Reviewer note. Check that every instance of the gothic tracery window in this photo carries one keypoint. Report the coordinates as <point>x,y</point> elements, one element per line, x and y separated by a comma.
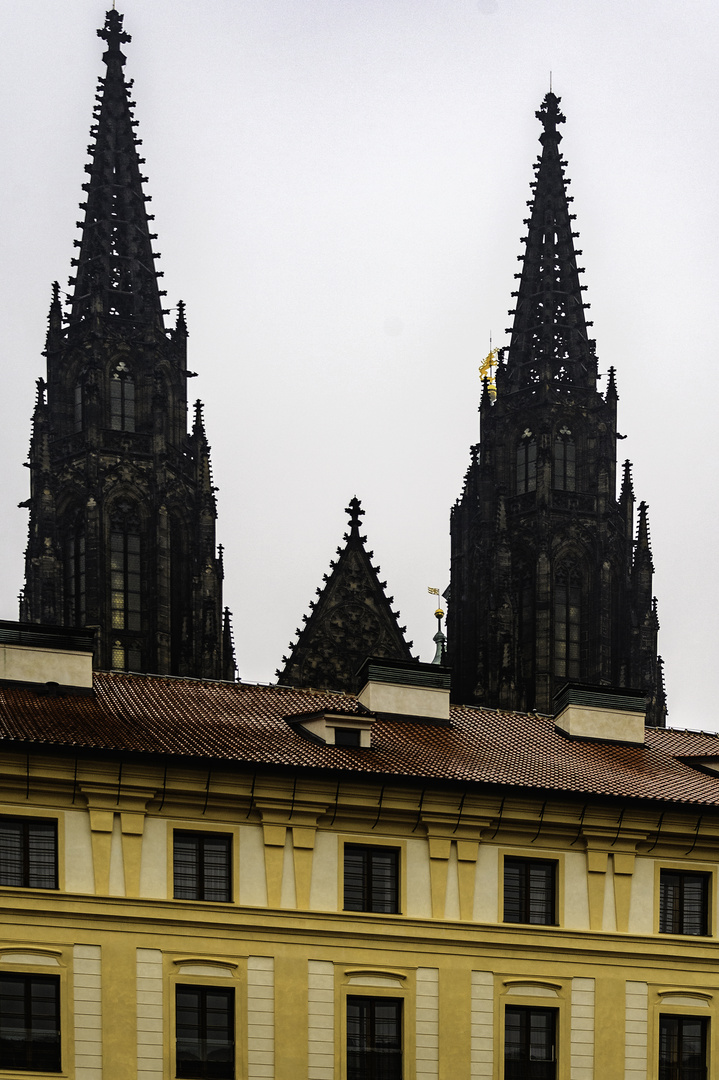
<point>526,463</point>
<point>122,398</point>
<point>567,623</point>
<point>75,572</point>
<point>565,461</point>
<point>125,586</point>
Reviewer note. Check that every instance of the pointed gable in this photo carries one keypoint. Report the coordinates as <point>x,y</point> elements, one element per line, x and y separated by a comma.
<point>351,620</point>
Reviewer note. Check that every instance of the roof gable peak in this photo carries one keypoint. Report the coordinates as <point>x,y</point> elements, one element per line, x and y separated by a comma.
<point>351,620</point>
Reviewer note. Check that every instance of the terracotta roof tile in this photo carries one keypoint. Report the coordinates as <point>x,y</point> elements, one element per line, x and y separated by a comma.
<point>241,723</point>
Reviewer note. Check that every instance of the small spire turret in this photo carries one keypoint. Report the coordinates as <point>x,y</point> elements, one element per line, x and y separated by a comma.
<point>439,639</point>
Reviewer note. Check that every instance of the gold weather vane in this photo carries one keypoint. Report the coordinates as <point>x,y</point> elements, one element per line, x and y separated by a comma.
<point>435,592</point>
<point>486,369</point>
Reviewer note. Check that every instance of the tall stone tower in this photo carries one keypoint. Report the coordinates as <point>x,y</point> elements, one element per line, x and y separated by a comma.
<point>548,583</point>
<point>122,504</point>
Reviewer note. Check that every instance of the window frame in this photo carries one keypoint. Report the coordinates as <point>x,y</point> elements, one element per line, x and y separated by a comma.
<point>375,845</point>
<point>672,1073</point>
<point>217,827</point>
<point>375,999</point>
<point>528,861</point>
<point>707,875</point>
<point>521,1007</point>
<point>203,988</point>
<point>61,1020</point>
<point>26,821</point>
<point>206,834</point>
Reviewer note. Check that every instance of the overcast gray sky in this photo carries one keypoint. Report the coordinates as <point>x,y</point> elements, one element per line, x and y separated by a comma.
<point>339,188</point>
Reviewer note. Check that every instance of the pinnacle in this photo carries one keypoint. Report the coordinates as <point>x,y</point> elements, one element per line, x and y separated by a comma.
<point>627,484</point>
<point>549,342</point>
<point>644,547</point>
<point>114,34</point>
<point>355,512</point>
<point>199,423</point>
<point>116,274</point>
<point>612,384</point>
<point>550,115</point>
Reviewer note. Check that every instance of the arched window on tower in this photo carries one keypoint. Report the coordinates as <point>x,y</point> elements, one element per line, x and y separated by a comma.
<point>565,461</point>
<point>74,564</point>
<point>567,623</point>
<point>126,587</point>
<point>526,463</point>
<point>122,398</point>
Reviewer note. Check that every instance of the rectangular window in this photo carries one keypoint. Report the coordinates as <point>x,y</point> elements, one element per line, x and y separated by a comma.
<point>374,1038</point>
<point>529,1043</point>
<point>30,1022</point>
<point>202,866</point>
<point>205,1033</point>
<point>682,1048</point>
<point>28,853</point>
<point>683,902</point>
<point>371,879</point>
<point>347,737</point>
<point>530,891</point>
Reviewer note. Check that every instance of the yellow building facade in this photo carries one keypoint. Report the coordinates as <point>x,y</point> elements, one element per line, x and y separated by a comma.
<point>371,924</point>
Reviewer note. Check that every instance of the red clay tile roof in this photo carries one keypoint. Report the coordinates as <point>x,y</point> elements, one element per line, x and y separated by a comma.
<point>246,724</point>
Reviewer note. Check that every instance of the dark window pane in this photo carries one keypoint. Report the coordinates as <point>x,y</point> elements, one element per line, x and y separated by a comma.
<point>347,737</point>
<point>530,891</point>
<point>205,1033</point>
<point>28,853</point>
<point>682,1048</point>
<point>374,1038</point>
<point>30,1022</point>
<point>202,866</point>
<point>683,903</point>
<point>529,1044</point>
<point>371,879</point>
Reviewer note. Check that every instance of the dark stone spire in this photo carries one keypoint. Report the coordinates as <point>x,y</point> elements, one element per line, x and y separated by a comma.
<point>547,583</point>
<point>116,266</point>
<point>549,342</point>
<point>352,620</point>
<point>122,506</point>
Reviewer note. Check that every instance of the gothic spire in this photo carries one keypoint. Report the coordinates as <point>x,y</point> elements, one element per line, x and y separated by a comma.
<point>549,342</point>
<point>352,620</point>
<point>116,274</point>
